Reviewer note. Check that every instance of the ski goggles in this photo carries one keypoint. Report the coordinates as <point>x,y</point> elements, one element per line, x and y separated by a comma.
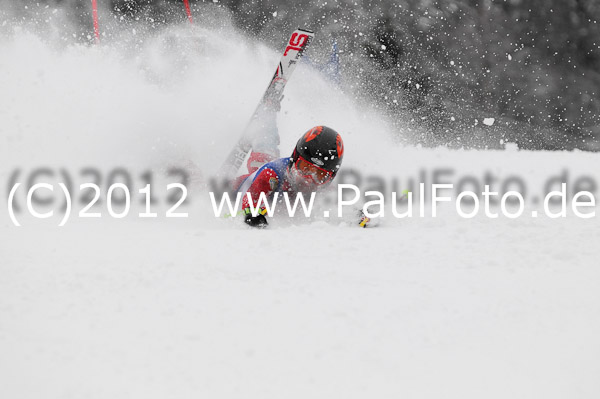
<point>312,172</point>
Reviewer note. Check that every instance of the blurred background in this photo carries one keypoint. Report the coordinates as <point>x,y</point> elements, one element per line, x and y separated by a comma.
<point>418,307</point>
<point>457,73</point>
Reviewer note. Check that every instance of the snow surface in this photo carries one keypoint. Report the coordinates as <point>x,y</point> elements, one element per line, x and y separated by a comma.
<point>205,307</point>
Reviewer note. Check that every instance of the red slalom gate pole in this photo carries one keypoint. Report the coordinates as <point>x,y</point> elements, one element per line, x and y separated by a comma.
<point>95,17</point>
<point>188,10</point>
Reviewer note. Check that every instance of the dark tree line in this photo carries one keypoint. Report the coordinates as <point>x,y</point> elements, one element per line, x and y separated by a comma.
<point>439,67</point>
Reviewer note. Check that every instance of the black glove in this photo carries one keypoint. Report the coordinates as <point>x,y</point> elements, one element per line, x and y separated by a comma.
<point>259,221</point>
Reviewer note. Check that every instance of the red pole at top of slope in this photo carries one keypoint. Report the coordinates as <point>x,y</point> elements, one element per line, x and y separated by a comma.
<point>188,10</point>
<point>95,17</point>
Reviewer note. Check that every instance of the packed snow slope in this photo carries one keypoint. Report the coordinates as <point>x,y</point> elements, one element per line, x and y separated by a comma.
<point>205,307</point>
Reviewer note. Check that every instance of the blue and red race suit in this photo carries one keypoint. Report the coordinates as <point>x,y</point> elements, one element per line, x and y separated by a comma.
<point>269,178</point>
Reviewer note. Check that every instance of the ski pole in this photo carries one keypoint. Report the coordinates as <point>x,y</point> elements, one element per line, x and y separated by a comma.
<point>95,18</point>
<point>188,10</point>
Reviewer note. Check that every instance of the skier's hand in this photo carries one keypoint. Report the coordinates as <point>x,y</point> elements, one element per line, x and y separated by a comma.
<point>259,221</point>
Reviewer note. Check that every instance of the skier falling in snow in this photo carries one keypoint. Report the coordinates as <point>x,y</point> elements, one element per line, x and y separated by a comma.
<point>314,162</point>
<point>313,165</point>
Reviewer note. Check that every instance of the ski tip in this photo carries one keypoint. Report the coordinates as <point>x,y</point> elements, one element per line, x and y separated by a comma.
<point>306,30</point>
